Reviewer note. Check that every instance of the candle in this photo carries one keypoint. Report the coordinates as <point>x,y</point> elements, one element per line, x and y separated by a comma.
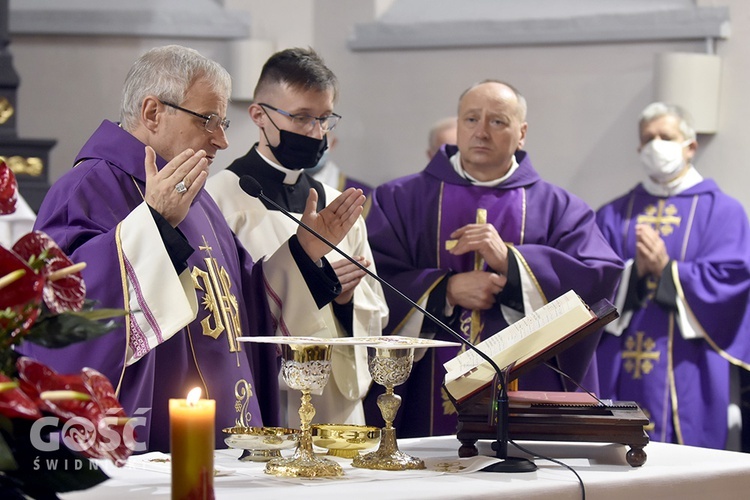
<point>191,436</point>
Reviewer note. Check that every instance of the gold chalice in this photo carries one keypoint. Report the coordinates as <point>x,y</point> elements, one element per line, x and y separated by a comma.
<point>389,368</point>
<point>305,367</point>
<point>345,440</point>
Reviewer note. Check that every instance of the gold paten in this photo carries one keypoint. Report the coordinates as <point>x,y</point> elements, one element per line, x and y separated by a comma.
<point>389,368</point>
<point>345,440</point>
<point>305,368</point>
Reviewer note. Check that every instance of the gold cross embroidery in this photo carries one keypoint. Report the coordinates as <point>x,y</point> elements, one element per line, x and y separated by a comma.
<point>639,356</point>
<point>217,300</point>
<point>663,217</point>
<point>476,325</point>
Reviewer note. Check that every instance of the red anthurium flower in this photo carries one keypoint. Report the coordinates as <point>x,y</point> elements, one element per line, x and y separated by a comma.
<point>14,403</point>
<point>95,421</point>
<point>8,190</point>
<point>63,294</point>
<point>20,300</point>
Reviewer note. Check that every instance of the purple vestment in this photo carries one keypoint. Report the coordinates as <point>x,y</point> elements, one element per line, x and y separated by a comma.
<point>682,384</point>
<point>82,213</point>
<point>553,233</point>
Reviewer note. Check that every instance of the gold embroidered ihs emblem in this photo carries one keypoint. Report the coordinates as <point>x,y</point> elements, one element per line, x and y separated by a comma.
<point>217,300</point>
<point>663,217</point>
<point>639,356</point>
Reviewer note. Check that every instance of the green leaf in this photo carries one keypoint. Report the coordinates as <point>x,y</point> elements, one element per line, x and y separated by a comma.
<point>7,462</point>
<point>68,328</point>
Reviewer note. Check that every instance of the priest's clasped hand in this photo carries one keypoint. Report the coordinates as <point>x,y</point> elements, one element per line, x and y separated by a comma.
<point>171,190</point>
<point>651,255</point>
<point>333,222</point>
<point>485,240</point>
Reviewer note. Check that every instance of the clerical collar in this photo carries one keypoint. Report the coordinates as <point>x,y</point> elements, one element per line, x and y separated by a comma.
<point>290,176</point>
<point>456,162</point>
<point>676,186</point>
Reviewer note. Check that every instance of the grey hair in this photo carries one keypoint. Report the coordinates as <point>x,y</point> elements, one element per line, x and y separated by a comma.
<point>167,73</point>
<point>658,109</point>
<point>522,106</point>
<point>439,126</point>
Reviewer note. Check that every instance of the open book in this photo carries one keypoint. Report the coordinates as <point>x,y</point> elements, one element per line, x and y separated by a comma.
<point>527,339</point>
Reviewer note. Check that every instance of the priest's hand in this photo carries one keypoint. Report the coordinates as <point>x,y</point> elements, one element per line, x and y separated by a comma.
<point>474,290</point>
<point>651,255</point>
<point>349,276</point>
<point>171,190</point>
<point>483,239</point>
<point>333,222</point>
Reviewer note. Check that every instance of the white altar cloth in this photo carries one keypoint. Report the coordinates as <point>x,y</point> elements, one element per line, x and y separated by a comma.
<point>670,472</point>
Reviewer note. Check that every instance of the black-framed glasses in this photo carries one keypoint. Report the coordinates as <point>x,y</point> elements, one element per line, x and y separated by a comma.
<point>212,121</point>
<point>307,122</point>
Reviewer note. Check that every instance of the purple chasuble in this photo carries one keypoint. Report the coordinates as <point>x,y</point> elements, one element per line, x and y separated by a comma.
<point>555,233</point>
<point>81,213</point>
<point>684,389</point>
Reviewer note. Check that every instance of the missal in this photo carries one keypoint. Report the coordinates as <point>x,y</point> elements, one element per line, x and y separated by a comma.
<point>518,344</point>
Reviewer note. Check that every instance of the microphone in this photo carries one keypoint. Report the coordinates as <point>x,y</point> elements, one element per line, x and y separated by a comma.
<point>508,464</point>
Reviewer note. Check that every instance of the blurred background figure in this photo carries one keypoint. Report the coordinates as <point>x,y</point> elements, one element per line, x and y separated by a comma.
<point>684,292</point>
<point>327,172</point>
<point>442,132</point>
<point>15,225</point>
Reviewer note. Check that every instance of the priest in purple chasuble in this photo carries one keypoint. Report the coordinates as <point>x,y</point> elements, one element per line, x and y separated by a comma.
<point>684,292</point>
<point>156,245</point>
<point>436,236</point>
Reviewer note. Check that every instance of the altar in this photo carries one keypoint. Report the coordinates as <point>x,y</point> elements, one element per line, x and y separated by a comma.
<point>671,472</point>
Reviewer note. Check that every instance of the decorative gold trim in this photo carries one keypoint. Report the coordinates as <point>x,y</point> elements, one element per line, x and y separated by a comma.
<point>703,332</point>
<point>691,217</point>
<point>6,110</point>
<point>195,360</point>
<point>672,383</point>
<point>439,222</point>
<point>526,266</point>
<point>32,165</point>
<point>523,219</point>
<point>126,302</point>
<point>413,310</point>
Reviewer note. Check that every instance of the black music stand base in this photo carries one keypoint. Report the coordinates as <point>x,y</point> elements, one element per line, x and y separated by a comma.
<point>511,464</point>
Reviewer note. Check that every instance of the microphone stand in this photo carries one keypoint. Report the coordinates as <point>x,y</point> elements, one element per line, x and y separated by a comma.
<point>507,464</point>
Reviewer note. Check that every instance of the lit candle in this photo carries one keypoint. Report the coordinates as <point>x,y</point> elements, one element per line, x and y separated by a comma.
<point>191,423</point>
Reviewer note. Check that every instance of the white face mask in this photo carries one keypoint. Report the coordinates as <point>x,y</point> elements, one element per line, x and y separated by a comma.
<point>662,160</point>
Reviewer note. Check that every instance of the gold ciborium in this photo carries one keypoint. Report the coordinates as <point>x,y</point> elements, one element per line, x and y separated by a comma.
<point>305,368</point>
<point>389,368</point>
<point>345,440</point>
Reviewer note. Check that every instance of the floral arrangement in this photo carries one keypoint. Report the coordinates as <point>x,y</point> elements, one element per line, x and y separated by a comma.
<point>51,425</point>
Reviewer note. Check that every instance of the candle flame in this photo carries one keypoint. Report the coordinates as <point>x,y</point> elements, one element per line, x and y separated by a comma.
<point>193,396</point>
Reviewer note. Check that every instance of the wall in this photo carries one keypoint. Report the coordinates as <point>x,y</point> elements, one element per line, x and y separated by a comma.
<point>583,99</point>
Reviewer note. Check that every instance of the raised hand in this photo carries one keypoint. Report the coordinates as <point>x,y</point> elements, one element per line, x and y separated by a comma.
<point>171,190</point>
<point>333,222</point>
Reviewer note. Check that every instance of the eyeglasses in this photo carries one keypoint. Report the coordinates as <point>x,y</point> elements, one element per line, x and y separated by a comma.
<point>307,122</point>
<point>212,121</point>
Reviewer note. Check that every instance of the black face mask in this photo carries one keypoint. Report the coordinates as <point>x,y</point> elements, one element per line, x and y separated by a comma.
<point>297,151</point>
